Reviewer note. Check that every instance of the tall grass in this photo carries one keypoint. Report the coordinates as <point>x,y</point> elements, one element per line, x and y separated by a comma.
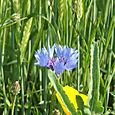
<point>28,25</point>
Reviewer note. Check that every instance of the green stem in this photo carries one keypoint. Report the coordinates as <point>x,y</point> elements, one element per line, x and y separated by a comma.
<point>78,59</point>
<point>45,91</point>
<point>109,76</point>
<point>78,64</point>
<point>22,89</point>
<point>13,106</point>
<point>2,72</point>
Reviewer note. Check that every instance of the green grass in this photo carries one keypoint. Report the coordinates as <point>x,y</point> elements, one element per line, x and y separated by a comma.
<point>28,25</point>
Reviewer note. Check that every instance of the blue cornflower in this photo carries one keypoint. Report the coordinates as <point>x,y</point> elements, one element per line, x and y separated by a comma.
<point>68,56</point>
<point>58,67</point>
<point>45,58</point>
<point>57,58</point>
<point>42,57</point>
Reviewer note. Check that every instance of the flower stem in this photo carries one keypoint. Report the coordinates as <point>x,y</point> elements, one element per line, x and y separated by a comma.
<point>13,106</point>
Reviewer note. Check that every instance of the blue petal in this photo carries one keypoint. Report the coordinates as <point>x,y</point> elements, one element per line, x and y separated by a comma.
<point>71,60</point>
<point>51,51</point>
<point>44,51</point>
<point>71,64</point>
<point>73,56</point>
<point>66,52</point>
<point>41,57</point>
<point>58,67</point>
<point>59,51</point>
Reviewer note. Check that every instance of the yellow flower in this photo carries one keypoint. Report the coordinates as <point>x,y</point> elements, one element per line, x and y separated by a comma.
<point>71,93</point>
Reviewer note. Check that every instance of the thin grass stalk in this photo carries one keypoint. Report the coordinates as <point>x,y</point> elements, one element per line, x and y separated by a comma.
<point>24,42</point>
<point>12,23</point>
<point>78,58</point>
<point>40,80</point>
<point>87,16</point>
<point>44,78</point>
<point>40,31</point>
<point>104,24</point>
<point>2,71</point>
<point>45,90</point>
<point>70,23</point>
<point>16,106</point>
<point>29,54</point>
<point>106,12</point>
<point>40,12</point>
<point>109,34</point>
<point>67,21</point>
<point>44,75</point>
<point>55,10</point>
<point>15,36</point>
<point>78,63</point>
<point>22,89</point>
<point>12,35</point>
<point>1,8</point>
<point>50,41</point>
<point>105,20</point>
<point>13,106</point>
<point>109,76</point>
<point>28,112</point>
<point>53,99</point>
<point>95,11</point>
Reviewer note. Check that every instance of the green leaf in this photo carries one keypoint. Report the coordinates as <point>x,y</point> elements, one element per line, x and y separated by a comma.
<point>98,107</point>
<point>8,102</point>
<point>95,71</point>
<point>95,104</point>
<point>80,102</point>
<point>79,112</point>
<point>59,89</point>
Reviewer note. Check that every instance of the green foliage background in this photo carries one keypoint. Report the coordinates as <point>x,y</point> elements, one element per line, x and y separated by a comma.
<point>27,25</point>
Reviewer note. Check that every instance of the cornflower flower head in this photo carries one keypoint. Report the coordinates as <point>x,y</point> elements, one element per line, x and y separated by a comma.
<point>68,56</point>
<point>42,57</point>
<point>57,59</point>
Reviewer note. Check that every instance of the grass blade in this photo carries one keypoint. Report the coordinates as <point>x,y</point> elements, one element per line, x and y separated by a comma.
<point>96,105</point>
